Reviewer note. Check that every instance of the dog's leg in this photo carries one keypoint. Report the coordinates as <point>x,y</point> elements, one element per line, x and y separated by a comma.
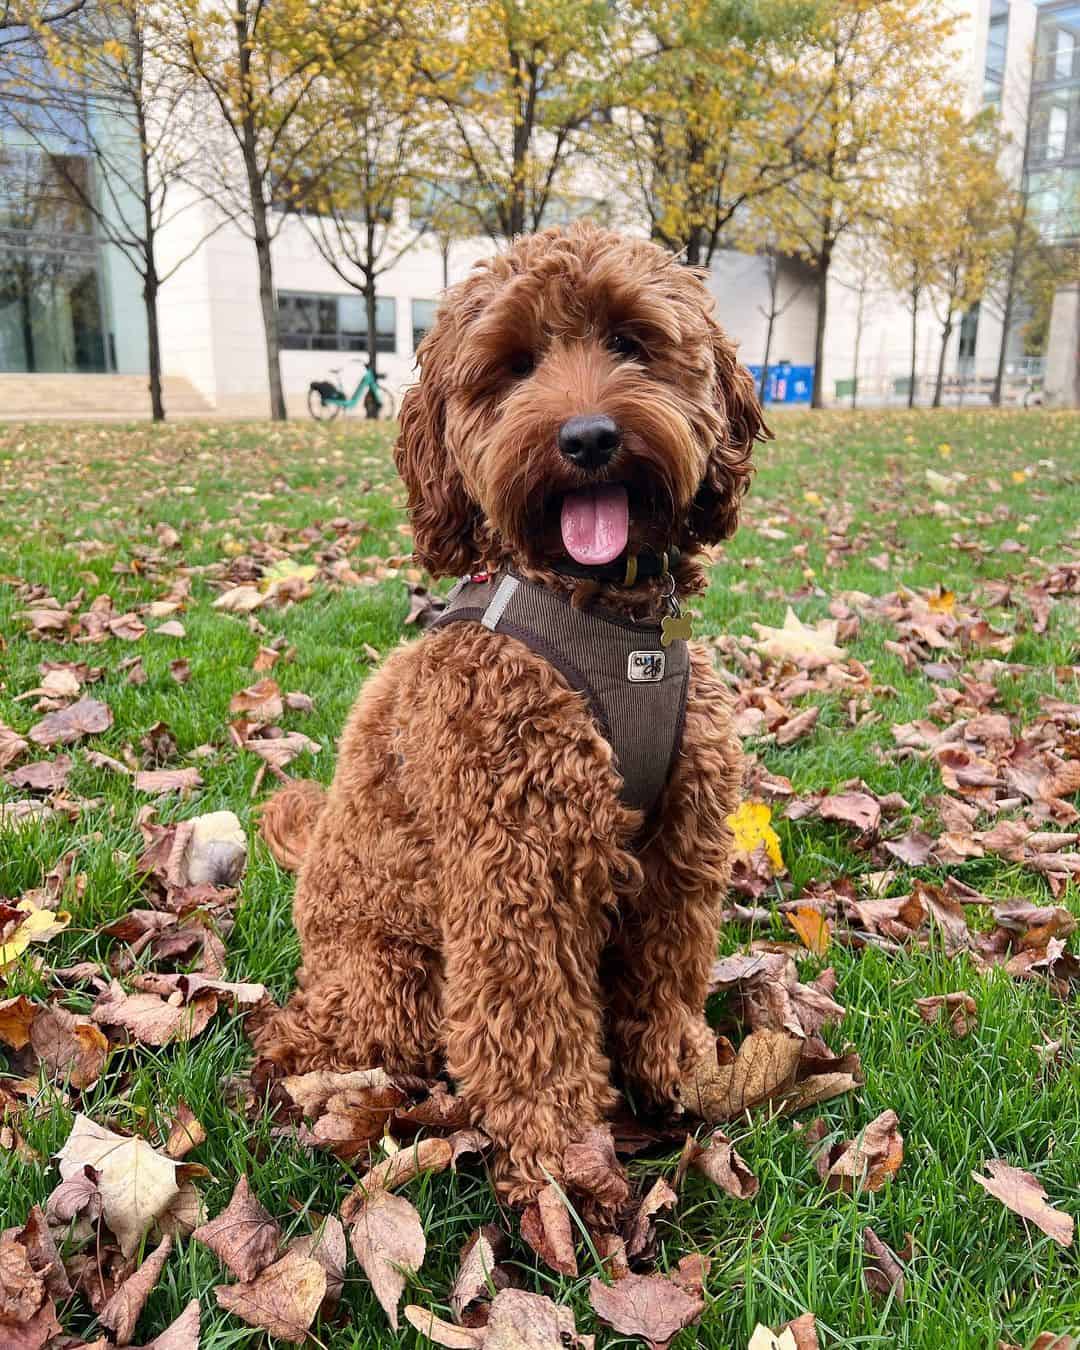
<point>528,908</point>
<point>657,966</point>
<point>370,1002</point>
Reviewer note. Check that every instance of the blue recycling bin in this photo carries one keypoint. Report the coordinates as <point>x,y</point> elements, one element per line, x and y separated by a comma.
<point>786,383</point>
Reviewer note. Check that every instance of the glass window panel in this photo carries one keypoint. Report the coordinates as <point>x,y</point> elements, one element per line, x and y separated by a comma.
<point>1057,44</point>
<point>423,317</point>
<point>352,314</point>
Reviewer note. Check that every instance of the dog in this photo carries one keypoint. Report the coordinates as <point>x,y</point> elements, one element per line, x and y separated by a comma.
<point>480,891</point>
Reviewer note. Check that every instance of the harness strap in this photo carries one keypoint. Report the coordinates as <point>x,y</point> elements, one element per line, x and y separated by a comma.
<point>636,689</point>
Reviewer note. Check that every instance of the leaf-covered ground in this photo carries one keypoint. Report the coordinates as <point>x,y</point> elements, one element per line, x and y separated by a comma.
<point>935,563</point>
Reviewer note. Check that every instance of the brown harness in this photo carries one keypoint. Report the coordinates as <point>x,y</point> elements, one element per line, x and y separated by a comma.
<point>635,686</point>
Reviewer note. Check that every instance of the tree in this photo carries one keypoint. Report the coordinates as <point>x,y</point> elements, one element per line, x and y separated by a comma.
<point>867,87</point>
<point>705,124</point>
<point>774,311</point>
<point>20,19</point>
<point>382,131</point>
<point>103,72</point>
<point>519,86</point>
<point>265,68</point>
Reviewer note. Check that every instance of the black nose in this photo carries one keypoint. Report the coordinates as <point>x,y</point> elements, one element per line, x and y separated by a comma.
<point>590,441</point>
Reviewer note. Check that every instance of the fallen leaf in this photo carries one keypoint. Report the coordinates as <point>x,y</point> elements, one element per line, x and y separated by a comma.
<point>961,1008</point>
<point>283,1299</point>
<point>653,1307</point>
<point>715,1158</point>
<point>866,1162</point>
<point>45,775</point>
<point>240,600</point>
<point>764,1065</point>
<point>260,702</point>
<point>426,1155</point>
<point>12,746</point>
<point>167,780</point>
<point>243,1235</point>
<point>151,1019</point>
<point>31,922</point>
<point>388,1239</point>
<point>857,809</point>
<point>183,1334</point>
<point>327,1246</point>
<point>751,827</point>
<point>809,648</point>
<point>548,1229</point>
<point>477,1268</point>
<point>812,928</point>
<point>16,1017</point>
<point>517,1321</point>
<point>87,717</point>
<point>70,1047</point>
<point>136,1184</point>
<point>1021,1192</point>
<point>591,1168</point>
<point>122,1311</point>
<point>882,1270</point>
<point>185,1133</point>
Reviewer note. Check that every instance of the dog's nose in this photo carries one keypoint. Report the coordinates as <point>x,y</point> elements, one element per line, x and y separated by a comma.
<point>589,441</point>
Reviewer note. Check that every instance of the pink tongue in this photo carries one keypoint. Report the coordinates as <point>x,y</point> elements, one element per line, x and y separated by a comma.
<point>595,523</point>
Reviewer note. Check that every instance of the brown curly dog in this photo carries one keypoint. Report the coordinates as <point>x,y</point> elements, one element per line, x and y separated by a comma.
<point>477,894</point>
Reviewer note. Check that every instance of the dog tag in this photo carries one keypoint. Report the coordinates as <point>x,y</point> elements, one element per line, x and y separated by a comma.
<point>673,626</point>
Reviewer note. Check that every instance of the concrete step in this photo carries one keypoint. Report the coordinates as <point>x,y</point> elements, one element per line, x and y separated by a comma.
<point>44,396</point>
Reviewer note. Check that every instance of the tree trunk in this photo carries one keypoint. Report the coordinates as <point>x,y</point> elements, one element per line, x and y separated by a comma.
<point>859,310</point>
<point>444,249</point>
<point>1006,328</point>
<point>692,251</point>
<point>946,333</point>
<point>153,343</point>
<point>371,407</point>
<point>824,258</point>
<point>914,344</point>
<point>770,324</point>
<point>26,318</point>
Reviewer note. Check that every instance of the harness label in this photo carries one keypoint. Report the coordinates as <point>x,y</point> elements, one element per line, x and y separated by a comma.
<point>646,667</point>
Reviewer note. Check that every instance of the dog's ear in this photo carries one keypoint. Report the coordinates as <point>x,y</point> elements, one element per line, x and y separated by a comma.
<point>715,510</point>
<point>443,515</point>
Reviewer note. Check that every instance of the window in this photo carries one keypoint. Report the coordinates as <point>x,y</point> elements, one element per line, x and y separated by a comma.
<point>1055,124</point>
<point>996,42</point>
<point>1054,203</point>
<point>334,323</point>
<point>423,317</point>
<point>1057,45</point>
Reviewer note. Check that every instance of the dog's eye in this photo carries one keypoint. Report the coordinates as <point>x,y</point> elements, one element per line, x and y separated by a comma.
<point>625,346</point>
<point>521,364</point>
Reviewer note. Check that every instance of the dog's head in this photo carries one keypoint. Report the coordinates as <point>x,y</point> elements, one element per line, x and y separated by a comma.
<point>576,398</point>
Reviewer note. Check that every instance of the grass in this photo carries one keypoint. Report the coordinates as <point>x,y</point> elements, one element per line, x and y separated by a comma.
<point>80,509</point>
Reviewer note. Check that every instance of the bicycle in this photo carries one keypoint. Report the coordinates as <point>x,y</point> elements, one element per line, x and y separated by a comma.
<point>327,399</point>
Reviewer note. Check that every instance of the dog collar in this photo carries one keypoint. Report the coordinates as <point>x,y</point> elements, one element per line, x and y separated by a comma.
<point>625,570</point>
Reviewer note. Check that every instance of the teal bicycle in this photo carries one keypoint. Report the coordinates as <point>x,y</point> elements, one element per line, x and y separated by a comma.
<point>327,399</point>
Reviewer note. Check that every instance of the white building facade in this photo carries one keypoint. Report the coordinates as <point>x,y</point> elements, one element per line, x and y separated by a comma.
<point>211,326</point>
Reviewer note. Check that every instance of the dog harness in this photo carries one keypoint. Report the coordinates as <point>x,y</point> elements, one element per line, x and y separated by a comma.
<point>635,686</point>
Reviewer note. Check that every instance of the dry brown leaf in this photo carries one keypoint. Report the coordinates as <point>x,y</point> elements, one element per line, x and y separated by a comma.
<point>243,1235</point>
<point>857,809</point>
<point>808,648</point>
<point>327,1246</point>
<point>426,1155</point>
<point>12,746</point>
<point>548,1229</point>
<point>283,1299</point>
<point>764,1065</point>
<point>882,1270</point>
<point>45,775</point>
<point>715,1158</point>
<point>122,1311</point>
<point>167,780</point>
<point>151,1019</point>
<point>866,1162</point>
<point>16,1018</point>
<point>1021,1192</point>
<point>477,1269</point>
<point>185,1133</point>
<point>517,1321</point>
<point>260,702</point>
<point>87,717</point>
<point>183,1334</point>
<point>71,1047</point>
<point>961,1009</point>
<point>388,1239</point>
<point>653,1307</point>
<point>641,1230</point>
<point>591,1168</point>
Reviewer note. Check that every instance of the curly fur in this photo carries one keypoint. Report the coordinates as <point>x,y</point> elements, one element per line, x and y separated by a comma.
<point>475,896</point>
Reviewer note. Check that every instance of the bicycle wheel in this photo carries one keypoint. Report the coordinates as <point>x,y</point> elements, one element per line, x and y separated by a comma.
<point>320,408</point>
<point>387,405</point>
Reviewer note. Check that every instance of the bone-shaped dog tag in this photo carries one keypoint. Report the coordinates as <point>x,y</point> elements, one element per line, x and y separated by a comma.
<point>674,626</point>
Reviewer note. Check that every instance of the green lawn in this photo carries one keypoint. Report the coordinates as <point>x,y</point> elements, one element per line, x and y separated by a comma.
<point>81,509</point>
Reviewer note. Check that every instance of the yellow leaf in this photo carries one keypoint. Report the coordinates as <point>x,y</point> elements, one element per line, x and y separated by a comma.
<point>39,925</point>
<point>814,498</point>
<point>944,449</point>
<point>752,826</point>
<point>812,928</point>
<point>285,570</point>
<point>942,602</point>
<point>1019,475</point>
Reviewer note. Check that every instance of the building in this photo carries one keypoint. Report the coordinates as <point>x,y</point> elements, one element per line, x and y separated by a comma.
<point>70,303</point>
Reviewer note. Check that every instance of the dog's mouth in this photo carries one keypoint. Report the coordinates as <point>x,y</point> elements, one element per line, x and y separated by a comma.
<point>595,523</point>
